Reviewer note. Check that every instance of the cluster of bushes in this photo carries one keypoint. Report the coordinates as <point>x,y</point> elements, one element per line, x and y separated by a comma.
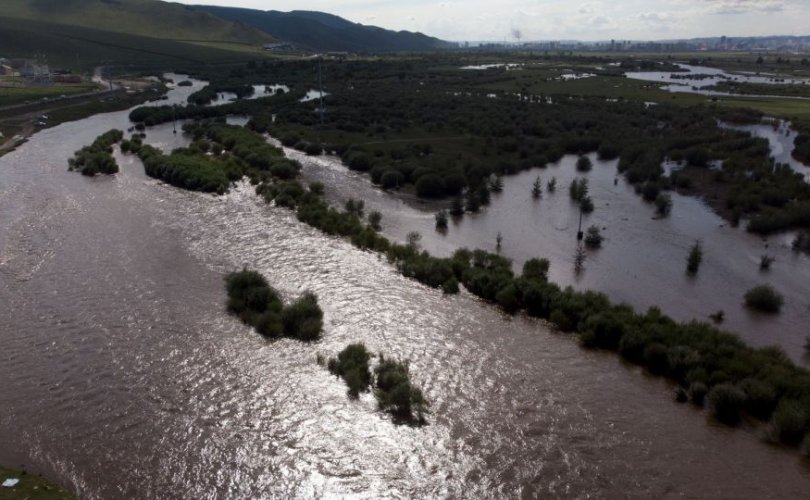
<point>219,155</point>
<point>801,243</point>
<point>97,158</point>
<point>311,148</point>
<point>209,93</point>
<point>505,136</point>
<point>185,168</point>
<point>696,355</point>
<point>391,381</point>
<point>374,103</point>
<point>256,303</point>
<point>801,143</point>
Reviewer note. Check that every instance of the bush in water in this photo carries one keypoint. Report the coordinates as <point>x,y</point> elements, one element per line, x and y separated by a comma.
<point>97,158</point>
<point>727,401</point>
<point>352,365</point>
<point>256,303</point>
<point>764,298</point>
<point>395,392</point>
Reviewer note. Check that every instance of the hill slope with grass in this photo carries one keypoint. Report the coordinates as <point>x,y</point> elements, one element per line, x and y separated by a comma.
<point>82,48</point>
<point>147,18</point>
<point>326,32</point>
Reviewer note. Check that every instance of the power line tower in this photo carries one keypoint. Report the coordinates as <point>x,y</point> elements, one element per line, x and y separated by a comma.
<point>320,88</point>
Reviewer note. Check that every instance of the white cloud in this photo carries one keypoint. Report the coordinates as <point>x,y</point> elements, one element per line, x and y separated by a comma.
<point>744,6</point>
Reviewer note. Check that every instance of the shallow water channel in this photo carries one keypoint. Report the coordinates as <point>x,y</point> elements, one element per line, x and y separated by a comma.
<point>642,261</point>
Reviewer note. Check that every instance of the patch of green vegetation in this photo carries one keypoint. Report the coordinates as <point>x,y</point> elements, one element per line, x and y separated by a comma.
<point>97,158</point>
<point>395,392</point>
<point>352,364</point>
<point>17,95</point>
<point>593,237</point>
<point>450,136</point>
<point>30,486</point>
<point>256,303</point>
<point>764,298</point>
<point>391,381</point>
<point>786,90</point>
<point>788,109</point>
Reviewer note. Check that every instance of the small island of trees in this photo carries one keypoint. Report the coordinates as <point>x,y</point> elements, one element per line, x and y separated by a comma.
<point>393,389</point>
<point>256,303</point>
<point>97,158</point>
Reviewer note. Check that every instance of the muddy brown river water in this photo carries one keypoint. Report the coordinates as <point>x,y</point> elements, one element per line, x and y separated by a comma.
<point>121,376</point>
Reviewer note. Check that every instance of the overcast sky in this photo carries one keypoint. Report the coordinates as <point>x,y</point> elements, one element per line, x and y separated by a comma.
<point>561,19</point>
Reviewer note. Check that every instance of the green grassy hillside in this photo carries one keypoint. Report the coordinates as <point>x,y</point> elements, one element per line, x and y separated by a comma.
<point>322,31</point>
<point>148,18</point>
<point>82,48</point>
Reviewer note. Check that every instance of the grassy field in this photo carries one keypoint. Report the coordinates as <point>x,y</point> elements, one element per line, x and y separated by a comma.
<point>780,108</point>
<point>31,486</point>
<point>544,80</point>
<point>17,95</point>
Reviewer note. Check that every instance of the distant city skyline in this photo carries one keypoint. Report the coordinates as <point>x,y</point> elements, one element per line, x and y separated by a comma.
<point>527,20</point>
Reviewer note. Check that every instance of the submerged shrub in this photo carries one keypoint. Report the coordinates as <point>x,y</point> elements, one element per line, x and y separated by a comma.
<point>374,220</point>
<point>663,204</point>
<point>256,303</point>
<point>450,286</point>
<point>97,158</point>
<point>396,394</point>
<point>694,259</point>
<point>764,298</point>
<point>697,392</point>
<point>790,422</point>
<point>656,358</point>
<point>760,398</point>
<point>352,365</point>
<point>727,401</point>
<point>593,238</point>
<point>303,319</point>
<point>584,164</point>
<point>441,219</point>
<point>250,296</point>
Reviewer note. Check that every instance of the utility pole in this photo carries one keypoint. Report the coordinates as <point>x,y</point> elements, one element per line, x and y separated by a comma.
<point>320,87</point>
<point>579,231</point>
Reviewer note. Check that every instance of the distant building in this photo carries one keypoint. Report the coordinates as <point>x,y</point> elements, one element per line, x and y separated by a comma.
<point>34,72</point>
<point>67,78</point>
<point>337,55</point>
<point>278,47</point>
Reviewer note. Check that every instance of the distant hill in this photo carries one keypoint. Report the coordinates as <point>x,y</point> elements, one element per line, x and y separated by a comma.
<point>77,47</point>
<point>326,32</point>
<point>147,18</point>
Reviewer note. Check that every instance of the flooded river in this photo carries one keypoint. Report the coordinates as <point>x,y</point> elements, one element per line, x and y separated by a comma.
<point>123,377</point>
<point>695,80</point>
<point>642,261</point>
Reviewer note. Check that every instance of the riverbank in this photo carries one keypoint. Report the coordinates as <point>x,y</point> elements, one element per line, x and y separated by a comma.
<point>20,121</point>
<point>29,486</point>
